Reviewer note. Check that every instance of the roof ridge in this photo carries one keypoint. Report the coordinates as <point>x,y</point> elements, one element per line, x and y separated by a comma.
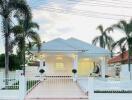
<point>68,44</point>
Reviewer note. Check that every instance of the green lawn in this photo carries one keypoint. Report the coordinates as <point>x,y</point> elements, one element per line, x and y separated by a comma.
<point>30,84</point>
<point>15,86</point>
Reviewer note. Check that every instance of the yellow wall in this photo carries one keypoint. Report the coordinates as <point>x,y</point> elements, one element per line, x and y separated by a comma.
<point>63,65</point>
<point>85,67</point>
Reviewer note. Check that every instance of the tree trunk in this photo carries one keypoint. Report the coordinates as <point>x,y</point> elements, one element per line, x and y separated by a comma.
<point>129,56</point>
<point>129,64</point>
<point>6,30</point>
<point>6,56</point>
<point>23,54</point>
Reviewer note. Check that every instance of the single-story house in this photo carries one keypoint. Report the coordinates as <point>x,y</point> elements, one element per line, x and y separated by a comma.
<point>61,56</point>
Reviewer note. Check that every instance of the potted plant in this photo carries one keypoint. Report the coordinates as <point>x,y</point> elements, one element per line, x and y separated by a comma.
<point>74,71</point>
<point>41,71</point>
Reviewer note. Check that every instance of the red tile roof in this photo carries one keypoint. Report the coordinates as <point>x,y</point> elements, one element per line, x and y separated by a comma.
<point>120,58</point>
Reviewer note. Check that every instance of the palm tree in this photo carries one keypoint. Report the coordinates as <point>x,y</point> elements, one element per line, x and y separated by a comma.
<point>126,41</point>
<point>25,37</point>
<point>104,40</point>
<point>7,8</point>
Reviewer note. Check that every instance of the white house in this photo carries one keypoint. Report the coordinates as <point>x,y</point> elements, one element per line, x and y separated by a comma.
<point>61,56</point>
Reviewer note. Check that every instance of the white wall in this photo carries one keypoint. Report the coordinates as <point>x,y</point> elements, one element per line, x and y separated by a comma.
<point>125,74</point>
<point>112,96</point>
<point>32,71</point>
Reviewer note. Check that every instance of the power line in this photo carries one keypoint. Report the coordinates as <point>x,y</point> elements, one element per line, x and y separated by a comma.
<point>92,3</point>
<point>122,1</point>
<point>103,1</point>
<point>87,13</point>
<point>99,4</point>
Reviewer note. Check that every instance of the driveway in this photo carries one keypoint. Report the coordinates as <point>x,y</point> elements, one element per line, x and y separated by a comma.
<point>57,89</point>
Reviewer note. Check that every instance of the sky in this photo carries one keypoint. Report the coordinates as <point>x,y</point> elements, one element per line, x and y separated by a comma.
<point>77,18</point>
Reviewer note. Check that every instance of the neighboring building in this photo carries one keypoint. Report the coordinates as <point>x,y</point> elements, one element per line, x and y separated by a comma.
<point>121,58</point>
<point>121,62</point>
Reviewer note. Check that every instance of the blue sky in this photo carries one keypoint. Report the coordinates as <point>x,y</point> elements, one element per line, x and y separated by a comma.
<point>72,18</point>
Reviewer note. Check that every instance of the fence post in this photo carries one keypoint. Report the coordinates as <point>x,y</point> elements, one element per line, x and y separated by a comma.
<point>1,79</point>
<point>90,88</point>
<point>22,87</point>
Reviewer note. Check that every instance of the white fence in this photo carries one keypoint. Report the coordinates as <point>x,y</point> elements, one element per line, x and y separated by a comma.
<point>17,88</point>
<point>98,89</point>
<point>32,82</point>
<point>12,88</point>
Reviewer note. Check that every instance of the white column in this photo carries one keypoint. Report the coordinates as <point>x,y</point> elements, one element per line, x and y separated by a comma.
<point>130,71</point>
<point>103,65</point>
<point>90,88</point>
<point>75,66</point>
<point>2,84</point>
<point>41,63</point>
<point>22,87</point>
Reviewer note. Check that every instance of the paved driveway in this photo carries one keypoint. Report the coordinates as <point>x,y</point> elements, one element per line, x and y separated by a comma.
<point>56,89</point>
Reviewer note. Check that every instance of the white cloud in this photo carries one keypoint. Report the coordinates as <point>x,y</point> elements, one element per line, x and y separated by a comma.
<point>75,25</point>
<point>78,25</point>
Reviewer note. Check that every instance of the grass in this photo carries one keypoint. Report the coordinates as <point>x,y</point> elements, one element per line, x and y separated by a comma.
<point>31,83</point>
<point>15,86</point>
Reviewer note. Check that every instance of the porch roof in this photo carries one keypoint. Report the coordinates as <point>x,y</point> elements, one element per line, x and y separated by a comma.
<point>71,45</point>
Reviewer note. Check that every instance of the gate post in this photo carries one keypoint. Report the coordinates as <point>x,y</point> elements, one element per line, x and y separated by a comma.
<point>90,88</point>
<point>2,84</point>
<point>22,87</point>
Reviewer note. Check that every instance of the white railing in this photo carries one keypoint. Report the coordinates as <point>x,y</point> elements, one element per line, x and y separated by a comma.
<point>9,84</point>
<point>58,80</point>
<point>9,88</point>
<point>18,87</point>
<point>32,82</point>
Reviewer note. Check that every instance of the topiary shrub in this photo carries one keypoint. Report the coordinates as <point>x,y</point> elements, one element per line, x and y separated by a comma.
<point>41,71</point>
<point>74,71</point>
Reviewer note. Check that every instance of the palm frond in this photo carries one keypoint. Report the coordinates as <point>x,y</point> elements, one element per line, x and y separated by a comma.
<point>35,37</point>
<point>100,28</point>
<point>95,40</point>
<point>22,6</point>
<point>119,42</point>
<point>17,30</point>
<point>109,29</point>
<point>33,25</point>
<point>123,23</point>
<point>1,3</point>
<point>109,42</point>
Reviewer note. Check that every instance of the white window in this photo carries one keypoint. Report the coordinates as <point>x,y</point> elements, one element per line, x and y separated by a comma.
<point>59,66</point>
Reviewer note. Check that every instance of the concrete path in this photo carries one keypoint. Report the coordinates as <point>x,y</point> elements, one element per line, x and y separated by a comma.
<point>57,89</point>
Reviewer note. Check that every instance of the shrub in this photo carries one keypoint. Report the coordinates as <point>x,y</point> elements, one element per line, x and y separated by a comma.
<point>33,63</point>
<point>14,62</point>
<point>41,71</point>
<point>74,71</point>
